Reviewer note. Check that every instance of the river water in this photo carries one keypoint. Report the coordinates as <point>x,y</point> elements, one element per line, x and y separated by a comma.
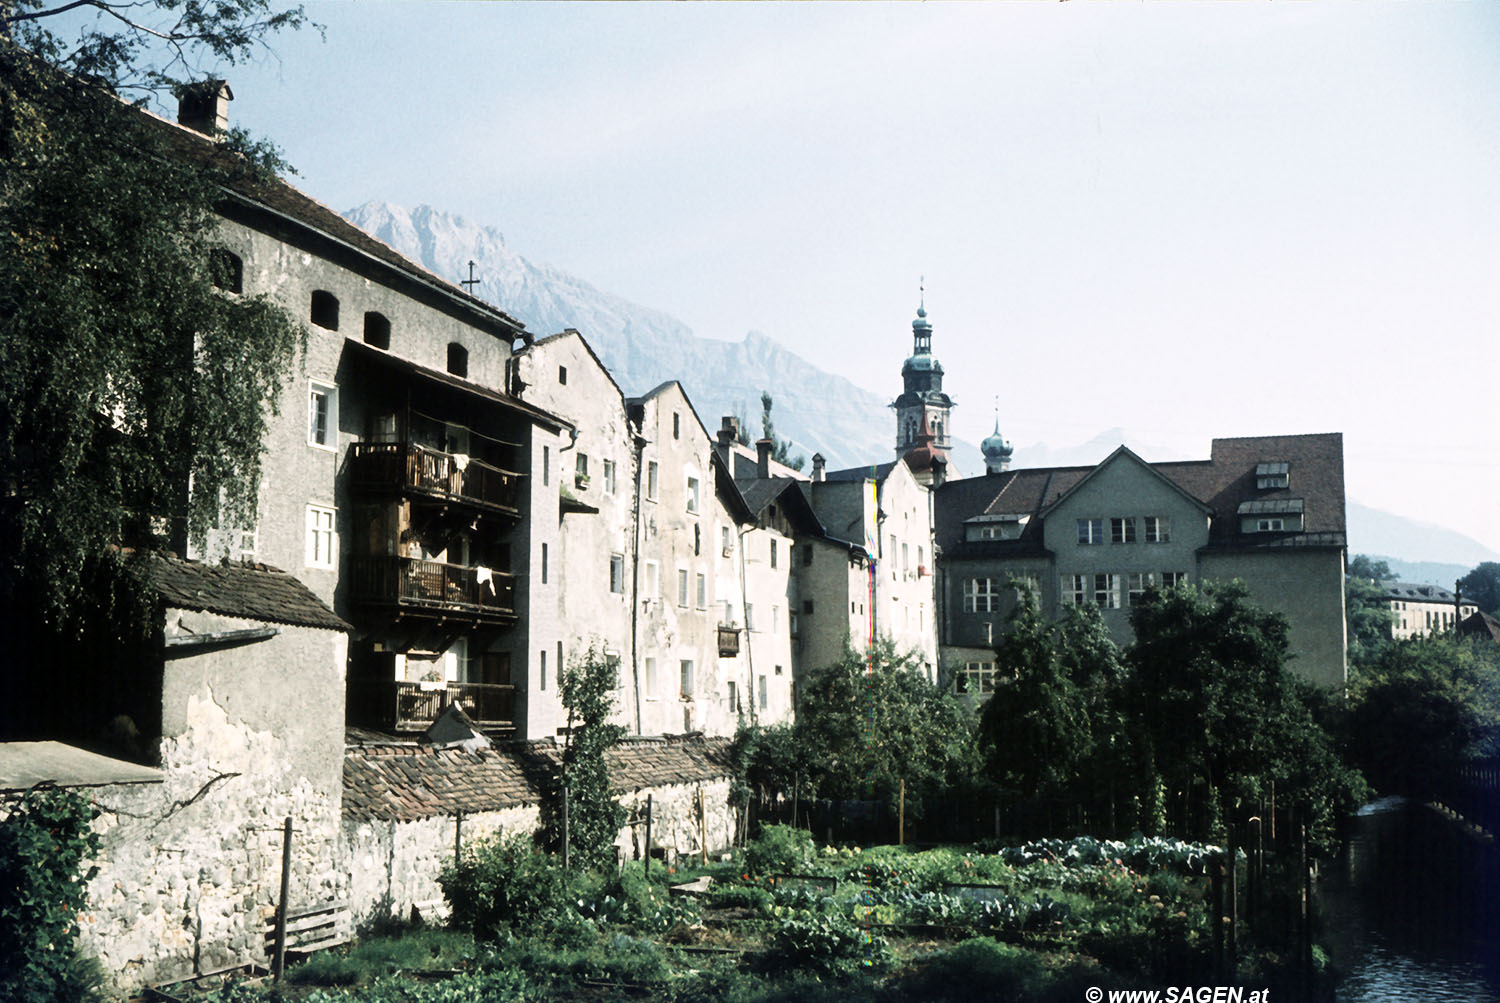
<point>1413,909</point>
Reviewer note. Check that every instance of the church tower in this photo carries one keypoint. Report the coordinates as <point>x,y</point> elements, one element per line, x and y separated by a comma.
<point>922,401</point>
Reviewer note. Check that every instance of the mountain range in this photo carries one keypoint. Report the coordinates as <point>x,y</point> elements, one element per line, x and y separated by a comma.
<point>819,412</point>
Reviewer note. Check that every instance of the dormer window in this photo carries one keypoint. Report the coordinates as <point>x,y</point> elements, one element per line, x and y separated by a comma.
<point>377,330</point>
<point>995,527</point>
<point>458,360</point>
<point>1283,515</point>
<point>1272,476</point>
<point>325,309</point>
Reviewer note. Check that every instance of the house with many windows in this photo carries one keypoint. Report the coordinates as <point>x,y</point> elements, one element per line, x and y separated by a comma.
<point>1267,510</point>
<point>1423,610</point>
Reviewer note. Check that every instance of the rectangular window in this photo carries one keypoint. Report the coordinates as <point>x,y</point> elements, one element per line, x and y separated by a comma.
<point>323,415</point>
<point>749,616</point>
<point>609,477</point>
<point>1270,525</point>
<point>1139,583</point>
<point>653,580</point>
<point>544,564</point>
<point>702,591</point>
<point>726,541</point>
<point>617,573</point>
<point>682,587</point>
<point>765,693</point>
<point>773,553</point>
<point>1122,530</point>
<point>807,607</point>
<point>1075,589</point>
<point>320,537</point>
<point>676,425</point>
<point>734,699</point>
<point>546,466</point>
<point>543,680</point>
<point>775,619</point>
<point>581,471</point>
<point>1090,531</point>
<point>1158,529</point>
<point>807,555</point>
<point>692,494</point>
<point>905,559</point>
<point>981,595</point>
<point>651,480</point>
<point>728,616</point>
<point>976,677</point>
<point>1172,579</point>
<point>685,667</point>
<point>650,677</point>
<point>1107,591</point>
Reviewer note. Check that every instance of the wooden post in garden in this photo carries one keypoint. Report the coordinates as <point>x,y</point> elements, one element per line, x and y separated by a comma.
<point>565,824</point>
<point>1306,931</point>
<point>648,837</point>
<point>901,817</point>
<point>278,955</point>
<point>702,828</point>
<point>796,783</point>
<point>1231,949</point>
<point>1216,903</point>
<point>458,837</point>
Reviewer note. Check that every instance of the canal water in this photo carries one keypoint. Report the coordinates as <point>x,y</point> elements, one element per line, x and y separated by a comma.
<point>1413,909</point>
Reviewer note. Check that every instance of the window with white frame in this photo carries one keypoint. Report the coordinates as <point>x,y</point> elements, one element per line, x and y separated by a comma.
<point>726,541</point>
<point>1139,582</point>
<point>682,587</point>
<point>323,415</point>
<point>653,581</point>
<point>685,673</point>
<point>981,595</point>
<point>546,466</point>
<point>1075,589</point>
<point>1172,579</point>
<point>1274,525</point>
<point>609,477</point>
<point>976,677</point>
<point>765,694</point>
<point>1158,529</point>
<point>773,553</point>
<point>651,480</point>
<point>1031,581</point>
<point>320,537</point>
<point>1107,591</point>
<point>1090,531</point>
<point>692,493</point>
<point>734,698</point>
<point>1122,529</point>
<point>650,682</point>
<point>617,573</point>
<point>702,591</point>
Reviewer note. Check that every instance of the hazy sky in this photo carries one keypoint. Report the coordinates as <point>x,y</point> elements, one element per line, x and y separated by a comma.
<point>1186,220</point>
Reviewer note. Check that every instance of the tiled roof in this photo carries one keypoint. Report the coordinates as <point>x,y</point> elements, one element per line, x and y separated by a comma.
<point>1224,482</point>
<point>1413,592</point>
<point>250,591</point>
<point>1480,624</point>
<point>405,782</point>
<point>875,470</point>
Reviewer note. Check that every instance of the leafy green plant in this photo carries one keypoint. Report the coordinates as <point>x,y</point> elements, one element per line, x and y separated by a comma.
<point>827,943</point>
<point>45,842</point>
<point>507,886</point>
<point>780,849</point>
<point>595,815</point>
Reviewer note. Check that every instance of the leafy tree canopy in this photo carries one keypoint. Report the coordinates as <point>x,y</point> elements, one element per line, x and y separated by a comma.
<point>1482,585</point>
<point>1367,567</point>
<point>595,815</point>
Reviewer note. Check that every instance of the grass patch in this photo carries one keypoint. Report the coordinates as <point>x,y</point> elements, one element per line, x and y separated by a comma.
<point>424,949</point>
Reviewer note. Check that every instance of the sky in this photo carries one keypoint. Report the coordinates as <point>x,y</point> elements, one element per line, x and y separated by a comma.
<point>1185,220</point>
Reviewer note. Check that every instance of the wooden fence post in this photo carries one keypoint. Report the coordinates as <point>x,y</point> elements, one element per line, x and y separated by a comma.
<point>278,957</point>
<point>648,837</point>
<point>901,816</point>
<point>565,825</point>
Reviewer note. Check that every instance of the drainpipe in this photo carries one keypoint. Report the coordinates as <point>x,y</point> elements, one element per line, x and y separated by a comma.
<point>635,578</point>
<point>744,603</point>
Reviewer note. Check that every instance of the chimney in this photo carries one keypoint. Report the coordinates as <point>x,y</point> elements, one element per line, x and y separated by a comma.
<point>818,464</point>
<point>729,430</point>
<point>763,459</point>
<point>204,106</point>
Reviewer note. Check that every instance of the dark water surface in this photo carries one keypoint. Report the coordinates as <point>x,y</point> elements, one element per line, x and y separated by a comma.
<point>1414,909</point>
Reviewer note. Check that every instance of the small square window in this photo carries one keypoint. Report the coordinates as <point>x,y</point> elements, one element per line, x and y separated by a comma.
<point>458,360</point>
<point>325,309</point>
<point>1122,530</point>
<point>1090,531</point>
<point>1158,529</point>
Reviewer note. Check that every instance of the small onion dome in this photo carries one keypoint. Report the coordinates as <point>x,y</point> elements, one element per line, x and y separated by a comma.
<point>994,447</point>
<point>921,323</point>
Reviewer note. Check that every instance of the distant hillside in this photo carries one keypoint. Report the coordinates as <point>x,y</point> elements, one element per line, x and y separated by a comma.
<point>820,412</point>
<point>1419,544</point>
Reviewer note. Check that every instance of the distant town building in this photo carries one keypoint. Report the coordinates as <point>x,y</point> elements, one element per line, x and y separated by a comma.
<point>1423,610</point>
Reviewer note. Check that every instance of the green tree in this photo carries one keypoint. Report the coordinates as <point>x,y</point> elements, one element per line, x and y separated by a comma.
<point>1421,708</point>
<point>595,815</point>
<point>1220,716</point>
<point>45,841</point>
<point>1482,586</point>
<point>1369,568</point>
<point>1035,728</point>
<point>134,393</point>
<point>781,449</point>
<point>867,722</point>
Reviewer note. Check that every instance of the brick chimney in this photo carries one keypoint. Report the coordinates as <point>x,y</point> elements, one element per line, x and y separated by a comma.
<point>763,459</point>
<point>818,464</point>
<point>204,106</point>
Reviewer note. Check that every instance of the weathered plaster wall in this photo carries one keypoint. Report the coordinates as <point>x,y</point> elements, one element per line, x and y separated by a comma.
<point>190,869</point>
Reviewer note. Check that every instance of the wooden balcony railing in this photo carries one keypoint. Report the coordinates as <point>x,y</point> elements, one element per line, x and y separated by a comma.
<point>433,586</point>
<point>417,469</point>
<point>729,641</point>
<point>489,705</point>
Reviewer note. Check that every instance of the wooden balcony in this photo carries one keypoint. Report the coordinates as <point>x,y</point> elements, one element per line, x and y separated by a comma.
<point>729,641</point>
<point>407,468</point>
<point>414,706</point>
<point>434,589</point>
